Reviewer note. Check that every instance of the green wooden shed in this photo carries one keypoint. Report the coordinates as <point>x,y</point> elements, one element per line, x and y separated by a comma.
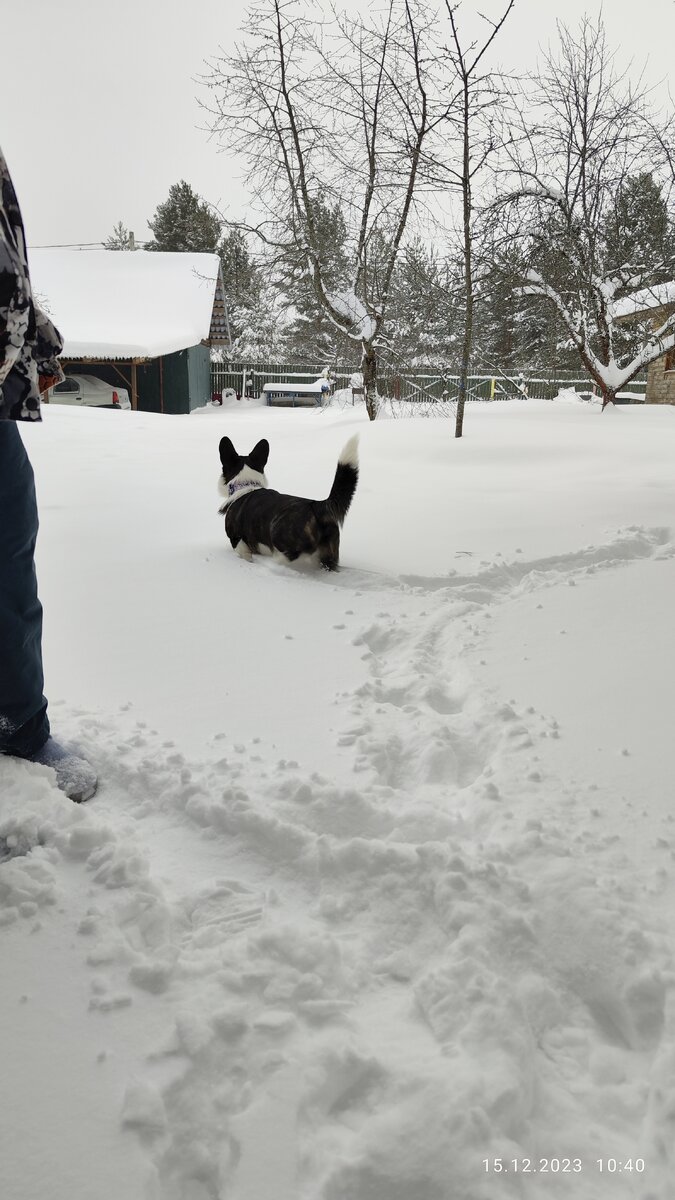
<point>145,319</point>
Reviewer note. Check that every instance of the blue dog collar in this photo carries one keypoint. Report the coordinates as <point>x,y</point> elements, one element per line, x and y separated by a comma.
<point>237,486</point>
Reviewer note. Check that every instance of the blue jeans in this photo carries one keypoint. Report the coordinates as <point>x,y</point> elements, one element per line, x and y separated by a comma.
<point>24,726</point>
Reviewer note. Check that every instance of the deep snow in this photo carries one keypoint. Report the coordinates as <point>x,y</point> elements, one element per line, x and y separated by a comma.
<point>378,884</point>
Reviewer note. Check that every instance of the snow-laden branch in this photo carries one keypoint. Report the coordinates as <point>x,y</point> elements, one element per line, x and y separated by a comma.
<point>585,137</point>
<point>361,325</point>
<point>611,375</point>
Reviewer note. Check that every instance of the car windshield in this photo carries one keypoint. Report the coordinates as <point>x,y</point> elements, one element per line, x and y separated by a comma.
<point>67,385</point>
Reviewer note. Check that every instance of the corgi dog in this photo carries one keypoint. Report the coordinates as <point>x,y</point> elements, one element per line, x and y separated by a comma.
<point>259,520</point>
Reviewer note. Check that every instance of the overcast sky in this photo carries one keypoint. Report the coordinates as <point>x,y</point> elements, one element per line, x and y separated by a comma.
<point>99,108</point>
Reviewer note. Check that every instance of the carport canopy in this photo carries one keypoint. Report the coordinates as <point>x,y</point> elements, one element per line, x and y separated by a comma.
<point>121,308</point>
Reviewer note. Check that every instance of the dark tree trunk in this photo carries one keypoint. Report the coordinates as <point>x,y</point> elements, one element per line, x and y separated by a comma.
<point>369,372</point>
<point>468,269</point>
<point>466,360</point>
<point>608,397</point>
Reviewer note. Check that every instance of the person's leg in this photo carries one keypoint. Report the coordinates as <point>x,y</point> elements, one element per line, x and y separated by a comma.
<point>24,727</point>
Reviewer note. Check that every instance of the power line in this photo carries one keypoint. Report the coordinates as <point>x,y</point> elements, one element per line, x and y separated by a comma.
<point>66,246</point>
<point>76,245</point>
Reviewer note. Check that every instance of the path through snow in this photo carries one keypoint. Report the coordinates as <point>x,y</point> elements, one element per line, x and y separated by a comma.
<point>277,980</point>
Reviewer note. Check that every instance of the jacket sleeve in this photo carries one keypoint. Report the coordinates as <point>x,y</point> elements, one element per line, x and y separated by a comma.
<point>48,345</point>
<point>24,347</point>
<point>15,299</point>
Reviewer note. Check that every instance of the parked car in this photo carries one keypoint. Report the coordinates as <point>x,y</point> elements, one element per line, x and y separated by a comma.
<point>90,391</point>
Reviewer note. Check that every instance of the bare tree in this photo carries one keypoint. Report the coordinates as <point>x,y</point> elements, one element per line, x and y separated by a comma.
<point>474,113</point>
<point>339,112</point>
<point>582,132</point>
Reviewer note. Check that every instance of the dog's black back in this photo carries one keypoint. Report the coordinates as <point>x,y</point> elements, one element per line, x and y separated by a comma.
<point>258,517</point>
<point>289,524</point>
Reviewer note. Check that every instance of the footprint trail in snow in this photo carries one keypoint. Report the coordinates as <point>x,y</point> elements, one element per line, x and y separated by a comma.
<point>363,984</point>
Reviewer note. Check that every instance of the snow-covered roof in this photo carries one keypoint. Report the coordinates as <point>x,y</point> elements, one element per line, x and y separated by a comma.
<point>320,385</point>
<point>646,300</point>
<point>118,304</point>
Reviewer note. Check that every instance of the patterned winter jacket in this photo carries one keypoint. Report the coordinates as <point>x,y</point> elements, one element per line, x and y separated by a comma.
<point>29,343</point>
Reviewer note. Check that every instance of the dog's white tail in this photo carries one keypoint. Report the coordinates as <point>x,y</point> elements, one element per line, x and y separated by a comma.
<point>346,478</point>
<point>349,455</point>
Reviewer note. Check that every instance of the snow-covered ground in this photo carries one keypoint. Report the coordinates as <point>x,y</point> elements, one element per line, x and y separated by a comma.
<point>377,889</point>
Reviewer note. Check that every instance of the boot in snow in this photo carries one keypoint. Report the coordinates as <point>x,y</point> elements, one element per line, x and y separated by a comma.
<point>74,775</point>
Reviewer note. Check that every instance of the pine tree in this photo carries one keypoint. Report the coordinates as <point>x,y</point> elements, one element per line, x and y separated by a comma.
<point>311,335</point>
<point>422,330</point>
<point>497,323</point>
<point>260,331</point>
<point>247,318</point>
<point>638,230</point>
<point>516,331</point>
<point>184,222</point>
<point>121,238</point>
<point>240,274</point>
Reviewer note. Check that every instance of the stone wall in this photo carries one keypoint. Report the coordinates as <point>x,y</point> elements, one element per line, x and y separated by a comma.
<point>661,374</point>
<point>660,383</point>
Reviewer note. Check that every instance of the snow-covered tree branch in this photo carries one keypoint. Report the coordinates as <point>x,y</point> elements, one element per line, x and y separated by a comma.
<point>583,137</point>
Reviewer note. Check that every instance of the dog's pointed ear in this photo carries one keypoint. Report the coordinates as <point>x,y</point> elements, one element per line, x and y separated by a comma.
<point>259,455</point>
<point>228,454</point>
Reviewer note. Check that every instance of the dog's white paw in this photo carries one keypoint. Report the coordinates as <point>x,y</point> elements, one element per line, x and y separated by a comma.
<point>243,551</point>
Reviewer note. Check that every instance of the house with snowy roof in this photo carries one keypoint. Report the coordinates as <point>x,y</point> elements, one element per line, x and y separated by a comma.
<point>654,304</point>
<point>145,319</point>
